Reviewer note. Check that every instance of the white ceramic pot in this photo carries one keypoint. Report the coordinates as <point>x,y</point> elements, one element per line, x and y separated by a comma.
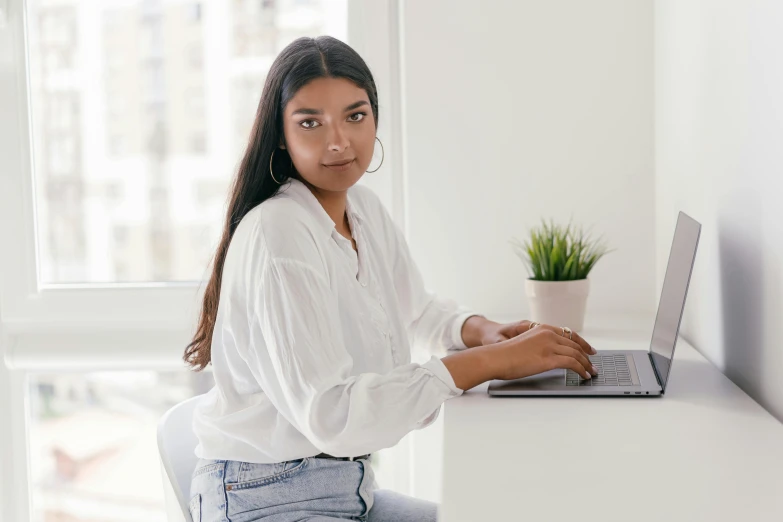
<point>559,303</point>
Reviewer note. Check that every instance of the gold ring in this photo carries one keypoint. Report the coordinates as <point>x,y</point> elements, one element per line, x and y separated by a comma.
<point>566,329</point>
<point>533,325</point>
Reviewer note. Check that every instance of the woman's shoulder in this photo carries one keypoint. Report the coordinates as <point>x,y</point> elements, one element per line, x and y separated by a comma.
<point>368,203</point>
<point>281,227</point>
<point>280,207</point>
<point>377,216</point>
<point>364,193</point>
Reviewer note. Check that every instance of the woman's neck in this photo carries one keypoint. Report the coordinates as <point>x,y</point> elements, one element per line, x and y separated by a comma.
<point>334,203</point>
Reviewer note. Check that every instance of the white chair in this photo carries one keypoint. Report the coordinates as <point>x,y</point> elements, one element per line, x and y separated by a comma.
<point>177,443</point>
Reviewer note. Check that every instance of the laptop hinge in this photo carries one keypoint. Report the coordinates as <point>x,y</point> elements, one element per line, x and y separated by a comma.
<point>655,371</point>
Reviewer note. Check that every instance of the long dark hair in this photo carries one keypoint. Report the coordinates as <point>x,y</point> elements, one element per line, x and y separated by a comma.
<point>302,61</point>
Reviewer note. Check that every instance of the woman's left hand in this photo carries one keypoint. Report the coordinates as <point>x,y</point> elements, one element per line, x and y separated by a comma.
<point>496,332</point>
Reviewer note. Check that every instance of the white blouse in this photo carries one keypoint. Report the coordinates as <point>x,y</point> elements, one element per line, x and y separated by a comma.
<point>311,350</point>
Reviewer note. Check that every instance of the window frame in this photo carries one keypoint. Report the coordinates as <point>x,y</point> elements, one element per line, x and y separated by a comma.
<point>125,325</point>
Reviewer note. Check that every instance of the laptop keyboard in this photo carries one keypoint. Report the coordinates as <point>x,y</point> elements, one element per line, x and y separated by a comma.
<point>612,371</point>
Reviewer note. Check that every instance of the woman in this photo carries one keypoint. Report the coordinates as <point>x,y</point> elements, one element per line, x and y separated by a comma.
<point>310,310</point>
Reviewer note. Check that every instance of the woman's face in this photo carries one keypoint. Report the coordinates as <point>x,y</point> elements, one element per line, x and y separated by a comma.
<point>330,120</point>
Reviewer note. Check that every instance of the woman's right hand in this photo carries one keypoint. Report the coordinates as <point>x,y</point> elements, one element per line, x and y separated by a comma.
<point>542,349</point>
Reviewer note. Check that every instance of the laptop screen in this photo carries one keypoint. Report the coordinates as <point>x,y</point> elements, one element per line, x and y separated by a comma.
<point>673,293</point>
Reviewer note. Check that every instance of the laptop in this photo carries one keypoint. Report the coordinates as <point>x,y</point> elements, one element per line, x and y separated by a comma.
<point>628,373</point>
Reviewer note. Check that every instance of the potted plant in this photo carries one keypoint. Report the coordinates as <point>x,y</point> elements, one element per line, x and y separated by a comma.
<point>559,260</point>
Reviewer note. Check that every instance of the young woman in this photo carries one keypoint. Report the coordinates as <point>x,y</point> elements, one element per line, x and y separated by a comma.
<point>310,312</point>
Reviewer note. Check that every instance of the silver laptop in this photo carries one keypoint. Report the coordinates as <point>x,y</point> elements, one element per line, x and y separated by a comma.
<point>628,373</point>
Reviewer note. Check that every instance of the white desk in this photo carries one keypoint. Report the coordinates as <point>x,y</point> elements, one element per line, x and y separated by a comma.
<point>703,451</point>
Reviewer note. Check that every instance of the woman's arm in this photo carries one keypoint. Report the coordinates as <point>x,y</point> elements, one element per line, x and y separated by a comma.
<point>298,355</point>
<point>477,328</point>
<point>470,368</point>
<point>433,322</point>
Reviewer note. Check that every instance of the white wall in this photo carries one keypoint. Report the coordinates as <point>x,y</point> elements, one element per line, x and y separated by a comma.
<point>719,157</point>
<point>515,111</point>
<point>520,110</point>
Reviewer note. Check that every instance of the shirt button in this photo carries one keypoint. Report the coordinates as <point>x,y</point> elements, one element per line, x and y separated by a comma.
<point>364,283</point>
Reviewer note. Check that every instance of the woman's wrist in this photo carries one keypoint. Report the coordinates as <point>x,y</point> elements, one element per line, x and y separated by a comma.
<point>474,330</point>
<point>469,368</point>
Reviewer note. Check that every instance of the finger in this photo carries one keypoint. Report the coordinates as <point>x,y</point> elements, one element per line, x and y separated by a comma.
<point>521,327</point>
<point>586,347</point>
<point>580,343</point>
<point>557,332</point>
<point>563,361</point>
<point>580,357</point>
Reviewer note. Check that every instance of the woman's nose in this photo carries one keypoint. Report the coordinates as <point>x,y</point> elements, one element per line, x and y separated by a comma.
<point>338,141</point>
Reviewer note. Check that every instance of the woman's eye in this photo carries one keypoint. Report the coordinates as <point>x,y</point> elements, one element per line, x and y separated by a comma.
<point>311,124</point>
<point>362,114</point>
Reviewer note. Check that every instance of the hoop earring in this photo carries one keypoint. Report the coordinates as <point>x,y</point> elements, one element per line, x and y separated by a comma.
<point>270,167</point>
<point>383,152</point>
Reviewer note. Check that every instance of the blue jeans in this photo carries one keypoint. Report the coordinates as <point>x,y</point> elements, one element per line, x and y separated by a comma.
<point>310,489</point>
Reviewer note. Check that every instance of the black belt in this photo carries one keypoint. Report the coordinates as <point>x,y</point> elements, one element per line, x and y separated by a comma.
<point>327,456</point>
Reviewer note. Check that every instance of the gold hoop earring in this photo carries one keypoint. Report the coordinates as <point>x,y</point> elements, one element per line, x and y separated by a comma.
<point>383,155</point>
<point>270,167</point>
<point>271,173</point>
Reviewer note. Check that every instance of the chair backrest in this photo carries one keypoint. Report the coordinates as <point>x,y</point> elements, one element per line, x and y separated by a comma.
<point>177,443</point>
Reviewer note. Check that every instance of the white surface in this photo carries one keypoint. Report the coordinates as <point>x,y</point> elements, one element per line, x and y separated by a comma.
<point>704,451</point>
<point>517,111</point>
<point>719,126</point>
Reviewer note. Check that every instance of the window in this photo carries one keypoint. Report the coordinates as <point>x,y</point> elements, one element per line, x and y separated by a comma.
<point>93,449</point>
<point>124,124</point>
<point>120,62</point>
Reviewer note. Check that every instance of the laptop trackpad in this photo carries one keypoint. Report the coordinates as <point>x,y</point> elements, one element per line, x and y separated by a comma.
<point>551,379</point>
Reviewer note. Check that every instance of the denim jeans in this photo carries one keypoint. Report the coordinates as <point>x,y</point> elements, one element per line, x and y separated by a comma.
<point>310,489</point>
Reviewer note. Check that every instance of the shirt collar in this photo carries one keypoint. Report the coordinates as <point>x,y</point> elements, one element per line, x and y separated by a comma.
<point>301,193</point>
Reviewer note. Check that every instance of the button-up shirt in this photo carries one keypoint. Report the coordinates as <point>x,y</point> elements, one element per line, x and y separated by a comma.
<point>311,350</point>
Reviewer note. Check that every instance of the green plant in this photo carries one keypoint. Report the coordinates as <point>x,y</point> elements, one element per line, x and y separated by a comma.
<point>557,253</point>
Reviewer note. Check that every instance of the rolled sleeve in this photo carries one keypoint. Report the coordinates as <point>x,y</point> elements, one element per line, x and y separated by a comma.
<point>436,366</point>
<point>458,343</point>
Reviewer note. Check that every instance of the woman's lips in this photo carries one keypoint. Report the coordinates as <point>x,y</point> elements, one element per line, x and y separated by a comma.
<point>340,168</point>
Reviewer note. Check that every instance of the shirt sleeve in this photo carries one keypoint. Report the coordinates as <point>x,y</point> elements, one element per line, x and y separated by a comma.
<point>303,366</point>
<point>433,322</point>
